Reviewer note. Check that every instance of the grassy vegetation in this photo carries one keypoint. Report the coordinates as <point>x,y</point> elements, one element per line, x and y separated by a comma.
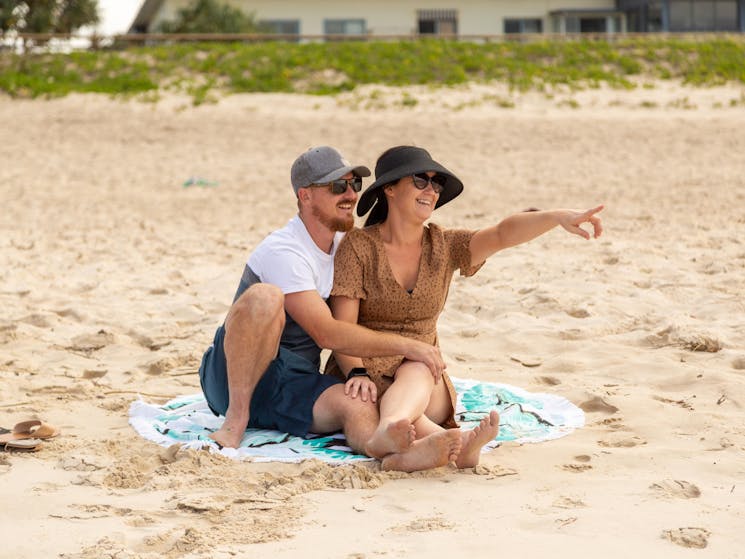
<point>327,68</point>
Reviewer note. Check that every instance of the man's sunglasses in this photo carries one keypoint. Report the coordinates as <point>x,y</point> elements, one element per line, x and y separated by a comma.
<point>339,186</point>
<point>421,180</point>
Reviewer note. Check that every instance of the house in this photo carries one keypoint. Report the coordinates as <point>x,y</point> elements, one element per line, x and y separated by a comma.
<point>466,18</point>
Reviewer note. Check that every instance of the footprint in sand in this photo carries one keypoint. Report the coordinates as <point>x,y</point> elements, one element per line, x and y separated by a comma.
<point>491,471</point>
<point>147,342</point>
<point>568,503</point>
<point>676,488</point>
<point>527,361</point>
<point>94,373</point>
<point>583,465</point>
<point>88,343</point>
<point>70,313</point>
<point>572,334</point>
<point>688,537</point>
<point>611,260</point>
<point>178,364</point>
<point>738,363</point>
<point>578,313</point>
<point>681,403</point>
<point>597,404</point>
<point>622,441</point>
<point>614,423</point>
<point>7,333</point>
<point>37,319</point>
<point>675,336</point>
<point>468,333</point>
<point>550,381</point>
<point>425,525</point>
<point>576,468</point>
<point>699,342</point>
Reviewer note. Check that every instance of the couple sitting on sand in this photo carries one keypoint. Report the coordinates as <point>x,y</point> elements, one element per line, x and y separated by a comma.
<point>385,384</point>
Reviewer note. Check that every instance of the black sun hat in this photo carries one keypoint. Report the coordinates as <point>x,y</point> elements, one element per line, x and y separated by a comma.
<point>399,162</point>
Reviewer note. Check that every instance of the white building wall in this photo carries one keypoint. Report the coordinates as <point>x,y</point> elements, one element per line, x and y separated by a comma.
<point>397,17</point>
<point>486,17</point>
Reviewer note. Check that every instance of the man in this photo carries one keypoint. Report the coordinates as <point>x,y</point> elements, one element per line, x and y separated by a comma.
<point>262,369</point>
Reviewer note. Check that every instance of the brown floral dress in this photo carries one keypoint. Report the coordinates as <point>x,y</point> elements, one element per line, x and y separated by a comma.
<point>362,271</point>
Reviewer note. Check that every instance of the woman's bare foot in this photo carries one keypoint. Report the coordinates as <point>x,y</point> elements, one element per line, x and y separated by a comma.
<point>476,438</point>
<point>433,451</point>
<point>393,438</point>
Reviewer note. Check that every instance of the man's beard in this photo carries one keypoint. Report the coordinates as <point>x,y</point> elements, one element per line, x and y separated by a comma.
<point>334,223</point>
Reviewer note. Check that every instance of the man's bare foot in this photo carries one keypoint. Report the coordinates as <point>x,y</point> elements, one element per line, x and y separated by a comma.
<point>392,438</point>
<point>228,436</point>
<point>433,451</point>
<point>476,438</point>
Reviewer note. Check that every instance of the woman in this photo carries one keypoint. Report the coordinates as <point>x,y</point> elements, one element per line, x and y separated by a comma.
<point>394,276</point>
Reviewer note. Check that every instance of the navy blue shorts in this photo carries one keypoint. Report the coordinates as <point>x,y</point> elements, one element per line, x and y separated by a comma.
<point>283,398</point>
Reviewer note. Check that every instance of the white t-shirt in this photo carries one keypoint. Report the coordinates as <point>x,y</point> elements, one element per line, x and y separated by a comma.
<point>291,260</point>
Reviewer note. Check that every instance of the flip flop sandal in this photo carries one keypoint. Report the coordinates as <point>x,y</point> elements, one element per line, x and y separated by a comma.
<point>33,429</point>
<point>22,445</point>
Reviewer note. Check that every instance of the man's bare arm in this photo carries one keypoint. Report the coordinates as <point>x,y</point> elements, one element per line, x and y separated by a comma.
<point>314,316</point>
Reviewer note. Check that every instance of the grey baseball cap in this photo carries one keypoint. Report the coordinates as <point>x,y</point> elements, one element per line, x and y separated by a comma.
<point>320,165</point>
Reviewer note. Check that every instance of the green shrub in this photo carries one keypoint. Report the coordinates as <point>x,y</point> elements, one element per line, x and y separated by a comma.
<point>329,68</point>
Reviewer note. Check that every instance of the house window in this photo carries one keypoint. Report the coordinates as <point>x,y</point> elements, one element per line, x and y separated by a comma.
<point>572,24</point>
<point>584,24</point>
<point>437,22</point>
<point>525,25</point>
<point>703,15</point>
<point>592,25</point>
<point>654,16</point>
<point>344,27</point>
<point>726,15</point>
<point>680,16</point>
<point>280,26</point>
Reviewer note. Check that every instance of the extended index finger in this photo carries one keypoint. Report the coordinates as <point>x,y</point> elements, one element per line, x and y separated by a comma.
<point>592,211</point>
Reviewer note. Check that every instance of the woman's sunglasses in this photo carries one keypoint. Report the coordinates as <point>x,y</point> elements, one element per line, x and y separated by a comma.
<point>339,186</point>
<point>421,180</point>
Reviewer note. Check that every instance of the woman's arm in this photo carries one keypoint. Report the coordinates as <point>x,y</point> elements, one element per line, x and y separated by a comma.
<point>525,226</point>
<point>347,310</point>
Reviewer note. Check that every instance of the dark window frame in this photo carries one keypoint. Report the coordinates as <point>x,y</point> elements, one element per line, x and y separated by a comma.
<point>343,22</point>
<point>520,23</point>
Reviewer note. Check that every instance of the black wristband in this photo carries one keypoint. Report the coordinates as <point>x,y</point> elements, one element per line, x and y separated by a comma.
<point>358,372</point>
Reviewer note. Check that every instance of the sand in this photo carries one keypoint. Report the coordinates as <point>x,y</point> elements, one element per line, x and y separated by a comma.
<point>113,276</point>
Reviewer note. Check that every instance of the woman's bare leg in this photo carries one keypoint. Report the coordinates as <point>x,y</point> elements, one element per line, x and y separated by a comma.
<point>472,441</point>
<point>406,400</point>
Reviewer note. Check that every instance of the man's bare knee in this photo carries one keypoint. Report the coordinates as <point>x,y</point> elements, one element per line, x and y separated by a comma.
<point>260,304</point>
